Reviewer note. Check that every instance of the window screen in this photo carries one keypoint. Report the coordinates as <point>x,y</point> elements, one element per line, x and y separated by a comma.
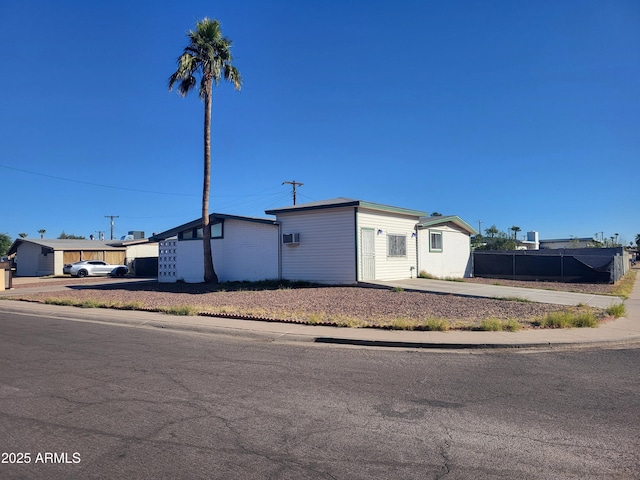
<point>435,241</point>
<point>397,245</point>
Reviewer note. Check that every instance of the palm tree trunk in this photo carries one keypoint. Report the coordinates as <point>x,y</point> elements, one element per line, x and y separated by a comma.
<point>209,272</point>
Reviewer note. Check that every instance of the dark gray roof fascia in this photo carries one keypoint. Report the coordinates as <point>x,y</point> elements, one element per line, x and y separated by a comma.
<point>213,218</point>
<point>345,202</point>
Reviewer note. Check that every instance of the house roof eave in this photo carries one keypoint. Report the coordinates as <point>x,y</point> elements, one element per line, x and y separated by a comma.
<point>65,244</point>
<point>427,222</point>
<point>345,202</point>
<point>213,218</point>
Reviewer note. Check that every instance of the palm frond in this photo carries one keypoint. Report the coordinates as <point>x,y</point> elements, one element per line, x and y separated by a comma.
<point>186,85</point>
<point>187,67</point>
<point>231,74</point>
<point>207,54</point>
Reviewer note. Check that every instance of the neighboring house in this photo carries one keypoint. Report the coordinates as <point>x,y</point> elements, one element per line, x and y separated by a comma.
<point>337,241</point>
<point>586,242</point>
<point>444,247</point>
<point>41,257</point>
<point>243,248</point>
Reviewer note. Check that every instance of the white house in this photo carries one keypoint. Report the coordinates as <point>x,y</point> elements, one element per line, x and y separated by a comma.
<point>243,248</point>
<point>337,241</point>
<point>344,241</point>
<point>444,247</point>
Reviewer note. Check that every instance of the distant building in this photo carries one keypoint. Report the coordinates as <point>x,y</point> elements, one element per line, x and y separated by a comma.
<point>42,257</point>
<point>531,243</point>
<point>553,244</point>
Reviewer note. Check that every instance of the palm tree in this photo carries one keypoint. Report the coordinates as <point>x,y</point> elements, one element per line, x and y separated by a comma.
<point>515,229</point>
<point>209,56</point>
<point>42,231</point>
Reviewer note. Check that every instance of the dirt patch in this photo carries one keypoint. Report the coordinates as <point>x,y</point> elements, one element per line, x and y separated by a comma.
<point>348,306</point>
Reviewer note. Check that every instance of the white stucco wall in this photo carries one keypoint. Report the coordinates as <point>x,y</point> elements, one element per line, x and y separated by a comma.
<point>454,261</point>
<point>189,266</point>
<point>248,251</point>
<point>326,252</point>
<point>385,224</point>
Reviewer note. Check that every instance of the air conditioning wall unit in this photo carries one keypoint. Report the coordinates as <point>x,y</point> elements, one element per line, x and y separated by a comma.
<point>291,238</point>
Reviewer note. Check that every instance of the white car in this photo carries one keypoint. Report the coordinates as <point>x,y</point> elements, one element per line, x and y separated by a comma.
<point>95,268</point>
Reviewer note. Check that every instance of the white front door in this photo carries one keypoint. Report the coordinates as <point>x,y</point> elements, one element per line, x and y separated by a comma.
<point>368,254</point>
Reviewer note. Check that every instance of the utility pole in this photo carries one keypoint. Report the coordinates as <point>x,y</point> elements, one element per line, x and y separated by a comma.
<point>100,234</point>
<point>111,218</point>
<point>294,184</point>
<point>480,227</point>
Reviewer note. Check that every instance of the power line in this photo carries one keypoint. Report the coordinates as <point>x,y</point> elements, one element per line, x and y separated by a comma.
<point>99,184</point>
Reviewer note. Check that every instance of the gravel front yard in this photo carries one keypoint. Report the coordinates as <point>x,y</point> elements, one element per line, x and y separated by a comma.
<point>348,306</point>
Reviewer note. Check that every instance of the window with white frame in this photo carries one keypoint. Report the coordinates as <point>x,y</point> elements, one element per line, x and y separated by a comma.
<point>435,241</point>
<point>396,245</point>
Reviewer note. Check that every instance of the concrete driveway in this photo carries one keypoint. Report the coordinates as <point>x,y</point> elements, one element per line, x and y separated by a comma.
<point>499,291</point>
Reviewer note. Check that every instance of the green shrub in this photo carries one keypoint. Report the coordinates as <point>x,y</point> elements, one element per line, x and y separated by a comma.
<point>436,324</point>
<point>402,323</point>
<point>618,310</point>
<point>491,325</point>
<point>131,306</point>
<point>511,325</point>
<point>60,301</point>
<point>346,321</point>
<point>569,319</point>
<point>181,310</point>
<point>315,319</point>
<point>513,299</point>
<point>91,304</point>
<point>497,325</point>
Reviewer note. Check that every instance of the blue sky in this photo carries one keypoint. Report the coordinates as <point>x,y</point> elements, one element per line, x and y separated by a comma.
<point>508,113</point>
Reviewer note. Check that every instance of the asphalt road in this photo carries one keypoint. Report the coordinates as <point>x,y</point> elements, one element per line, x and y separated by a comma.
<point>88,400</point>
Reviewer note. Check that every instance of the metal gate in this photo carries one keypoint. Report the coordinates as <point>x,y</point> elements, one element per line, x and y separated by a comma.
<point>368,254</point>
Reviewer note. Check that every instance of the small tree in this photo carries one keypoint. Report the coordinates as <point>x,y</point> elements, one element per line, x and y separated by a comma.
<point>5,243</point>
<point>477,241</point>
<point>492,231</point>
<point>495,240</point>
